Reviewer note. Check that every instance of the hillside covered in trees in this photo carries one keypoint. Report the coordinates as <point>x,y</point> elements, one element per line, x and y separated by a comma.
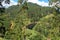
<point>34,23</point>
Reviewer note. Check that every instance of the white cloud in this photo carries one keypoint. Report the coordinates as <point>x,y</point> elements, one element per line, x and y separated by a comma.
<point>42,3</point>
<point>12,3</point>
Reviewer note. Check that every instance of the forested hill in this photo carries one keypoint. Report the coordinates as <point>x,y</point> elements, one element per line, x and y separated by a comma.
<point>34,23</point>
<point>34,11</point>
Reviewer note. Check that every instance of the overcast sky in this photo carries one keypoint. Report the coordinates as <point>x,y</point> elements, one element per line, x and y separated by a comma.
<point>39,2</point>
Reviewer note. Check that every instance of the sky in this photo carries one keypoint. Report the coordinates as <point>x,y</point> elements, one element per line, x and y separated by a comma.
<point>39,2</point>
<point>15,0</point>
<point>43,0</point>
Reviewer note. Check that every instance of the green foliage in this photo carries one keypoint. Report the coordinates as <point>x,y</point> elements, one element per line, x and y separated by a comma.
<point>15,21</point>
<point>49,26</point>
<point>53,0</point>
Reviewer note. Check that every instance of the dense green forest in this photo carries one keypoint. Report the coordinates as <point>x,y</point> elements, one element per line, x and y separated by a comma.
<point>34,23</point>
